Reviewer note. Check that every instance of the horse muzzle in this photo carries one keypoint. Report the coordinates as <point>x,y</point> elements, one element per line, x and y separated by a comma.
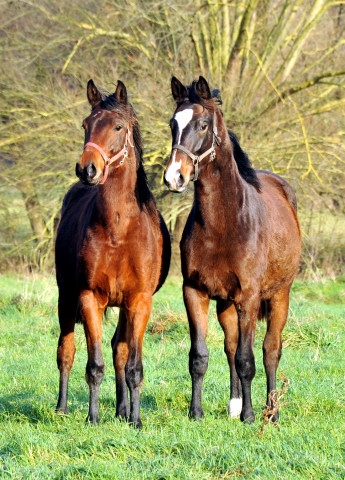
<point>87,175</point>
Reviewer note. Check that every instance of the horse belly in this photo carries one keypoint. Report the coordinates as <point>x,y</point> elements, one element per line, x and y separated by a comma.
<point>283,262</point>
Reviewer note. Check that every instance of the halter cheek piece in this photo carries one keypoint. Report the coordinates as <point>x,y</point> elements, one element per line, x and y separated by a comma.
<point>108,161</point>
<point>196,159</point>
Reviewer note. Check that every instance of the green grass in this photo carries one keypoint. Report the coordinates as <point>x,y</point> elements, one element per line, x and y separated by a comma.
<point>35,443</point>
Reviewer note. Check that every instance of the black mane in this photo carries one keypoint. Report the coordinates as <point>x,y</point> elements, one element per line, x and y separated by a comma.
<point>247,172</point>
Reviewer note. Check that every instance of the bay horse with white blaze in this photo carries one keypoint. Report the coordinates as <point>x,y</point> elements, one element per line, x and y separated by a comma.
<point>112,249</point>
<point>241,245</point>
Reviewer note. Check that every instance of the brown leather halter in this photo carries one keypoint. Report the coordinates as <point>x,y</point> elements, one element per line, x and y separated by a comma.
<point>108,161</point>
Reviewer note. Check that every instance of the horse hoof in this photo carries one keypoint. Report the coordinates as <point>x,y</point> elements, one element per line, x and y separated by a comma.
<point>196,413</point>
<point>122,417</point>
<point>273,418</point>
<point>136,423</point>
<point>122,413</point>
<point>92,419</point>
<point>248,417</point>
<point>61,410</point>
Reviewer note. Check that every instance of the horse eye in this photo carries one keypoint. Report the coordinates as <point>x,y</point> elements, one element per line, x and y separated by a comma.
<point>83,126</point>
<point>203,127</point>
<point>117,128</point>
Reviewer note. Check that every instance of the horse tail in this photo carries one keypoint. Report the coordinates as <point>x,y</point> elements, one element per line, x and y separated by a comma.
<point>263,310</point>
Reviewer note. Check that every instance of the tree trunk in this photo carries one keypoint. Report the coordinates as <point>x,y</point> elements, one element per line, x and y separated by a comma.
<point>33,209</point>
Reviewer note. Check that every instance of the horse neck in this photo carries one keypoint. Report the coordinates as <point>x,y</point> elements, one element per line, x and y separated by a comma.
<point>220,192</point>
<point>116,199</point>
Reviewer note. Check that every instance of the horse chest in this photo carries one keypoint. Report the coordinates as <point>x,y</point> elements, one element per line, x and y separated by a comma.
<point>208,266</point>
<point>116,266</point>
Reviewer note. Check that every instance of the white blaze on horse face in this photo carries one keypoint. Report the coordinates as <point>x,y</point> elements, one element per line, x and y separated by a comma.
<point>182,118</point>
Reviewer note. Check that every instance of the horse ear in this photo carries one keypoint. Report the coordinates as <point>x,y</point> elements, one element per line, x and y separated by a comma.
<point>121,92</point>
<point>202,89</point>
<point>178,90</point>
<point>93,94</point>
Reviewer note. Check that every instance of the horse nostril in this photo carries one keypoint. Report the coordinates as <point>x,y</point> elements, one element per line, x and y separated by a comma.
<point>180,179</point>
<point>78,170</point>
<point>91,170</point>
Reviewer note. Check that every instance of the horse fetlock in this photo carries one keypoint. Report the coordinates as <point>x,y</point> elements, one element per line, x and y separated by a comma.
<point>234,407</point>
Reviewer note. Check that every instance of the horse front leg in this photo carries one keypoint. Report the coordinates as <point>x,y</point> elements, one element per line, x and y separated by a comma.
<point>197,304</point>
<point>92,314</point>
<point>138,313</point>
<point>247,312</point>
<point>120,356</point>
<point>66,348</point>
<point>227,317</point>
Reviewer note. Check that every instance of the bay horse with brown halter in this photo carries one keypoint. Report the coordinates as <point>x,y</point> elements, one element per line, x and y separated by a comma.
<point>241,245</point>
<point>112,249</point>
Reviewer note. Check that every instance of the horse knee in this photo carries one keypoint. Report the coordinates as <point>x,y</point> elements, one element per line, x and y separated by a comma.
<point>198,362</point>
<point>94,372</point>
<point>245,364</point>
<point>134,374</point>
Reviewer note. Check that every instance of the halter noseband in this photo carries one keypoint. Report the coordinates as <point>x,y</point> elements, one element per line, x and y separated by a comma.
<point>108,161</point>
<point>196,159</point>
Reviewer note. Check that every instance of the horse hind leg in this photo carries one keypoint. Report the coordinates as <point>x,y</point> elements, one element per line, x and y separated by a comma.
<point>228,320</point>
<point>278,307</point>
<point>247,312</point>
<point>66,348</point>
<point>120,356</point>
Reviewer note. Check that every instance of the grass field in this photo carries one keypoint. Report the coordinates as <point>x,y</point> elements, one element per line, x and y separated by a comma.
<point>35,443</point>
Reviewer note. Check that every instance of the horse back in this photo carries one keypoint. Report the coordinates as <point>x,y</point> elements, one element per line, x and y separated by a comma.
<point>281,185</point>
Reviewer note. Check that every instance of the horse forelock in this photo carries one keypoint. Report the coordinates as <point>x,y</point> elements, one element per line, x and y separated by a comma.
<point>210,104</point>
